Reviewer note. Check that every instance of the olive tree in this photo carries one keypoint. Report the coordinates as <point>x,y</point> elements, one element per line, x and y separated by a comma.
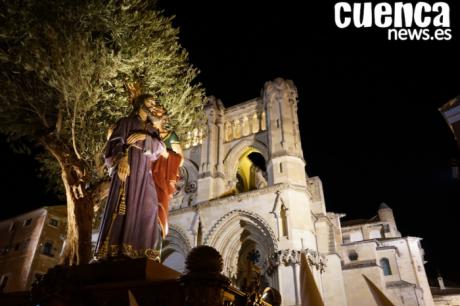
<point>65,68</point>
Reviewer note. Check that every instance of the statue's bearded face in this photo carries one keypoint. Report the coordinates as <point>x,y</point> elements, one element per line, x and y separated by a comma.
<point>149,106</point>
<point>155,113</point>
<point>160,124</point>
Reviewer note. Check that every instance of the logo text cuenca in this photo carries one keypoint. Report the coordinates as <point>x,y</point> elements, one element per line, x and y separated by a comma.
<point>419,21</point>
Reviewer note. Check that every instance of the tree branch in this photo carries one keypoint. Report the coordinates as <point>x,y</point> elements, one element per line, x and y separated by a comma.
<point>38,113</point>
<point>74,119</point>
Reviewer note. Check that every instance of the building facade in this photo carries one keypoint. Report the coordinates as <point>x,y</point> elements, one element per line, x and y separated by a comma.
<point>446,294</point>
<point>30,244</point>
<point>244,191</point>
<point>451,113</point>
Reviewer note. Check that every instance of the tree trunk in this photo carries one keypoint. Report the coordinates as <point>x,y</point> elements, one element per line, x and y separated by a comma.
<point>77,248</point>
<point>79,219</point>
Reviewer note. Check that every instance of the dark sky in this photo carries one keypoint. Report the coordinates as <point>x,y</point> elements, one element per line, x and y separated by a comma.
<point>367,107</point>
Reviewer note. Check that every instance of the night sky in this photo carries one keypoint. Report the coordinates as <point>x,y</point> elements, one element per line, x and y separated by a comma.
<point>367,110</point>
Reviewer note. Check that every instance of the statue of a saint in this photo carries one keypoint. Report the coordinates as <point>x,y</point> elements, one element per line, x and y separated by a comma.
<point>130,225</point>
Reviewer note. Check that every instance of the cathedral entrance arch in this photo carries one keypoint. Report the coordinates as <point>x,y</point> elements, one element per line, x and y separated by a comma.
<point>246,243</point>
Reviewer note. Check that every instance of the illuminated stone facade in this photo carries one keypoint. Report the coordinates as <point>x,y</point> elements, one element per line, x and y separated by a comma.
<point>445,294</point>
<point>244,191</point>
<point>30,244</point>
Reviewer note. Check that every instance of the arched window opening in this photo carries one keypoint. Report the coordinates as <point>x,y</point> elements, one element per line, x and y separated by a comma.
<point>228,131</point>
<point>245,127</point>
<point>48,249</point>
<point>385,264</point>
<point>255,123</point>
<point>284,221</point>
<point>199,235</point>
<point>263,121</point>
<point>236,129</point>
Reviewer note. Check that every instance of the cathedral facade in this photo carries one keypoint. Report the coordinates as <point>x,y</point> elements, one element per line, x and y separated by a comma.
<point>245,192</point>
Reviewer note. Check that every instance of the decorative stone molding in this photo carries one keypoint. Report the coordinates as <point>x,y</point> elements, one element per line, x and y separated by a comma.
<point>359,264</point>
<point>259,222</point>
<point>279,87</point>
<point>194,138</point>
<point>244,196</point>
<point>191,187</point>
<point>238,232</point>
<point>247,124</point>
<point>186,186</point>
<point>289,257</point>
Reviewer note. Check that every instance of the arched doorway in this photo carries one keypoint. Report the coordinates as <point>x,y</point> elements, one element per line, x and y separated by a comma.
<point>246,243</point>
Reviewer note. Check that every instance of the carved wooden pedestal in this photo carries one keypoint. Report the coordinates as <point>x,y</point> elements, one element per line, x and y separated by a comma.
<point>139,282</point>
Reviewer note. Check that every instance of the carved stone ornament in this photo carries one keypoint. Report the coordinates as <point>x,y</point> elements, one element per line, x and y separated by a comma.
<point>182,181</point>
<point>191,187</point>
<point>290,257</point>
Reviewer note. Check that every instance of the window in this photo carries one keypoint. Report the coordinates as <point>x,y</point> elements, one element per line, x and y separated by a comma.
<point>385,264</point>
<point>386,228</point>
<point>199,236</point>
<point>28,222</point>
<point>53,222</point>
<point>48,249</point>
<point>284,221</point>
<point>352,255</point>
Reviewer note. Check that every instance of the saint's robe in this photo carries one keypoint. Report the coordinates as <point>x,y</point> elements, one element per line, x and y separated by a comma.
<point>129,224</point>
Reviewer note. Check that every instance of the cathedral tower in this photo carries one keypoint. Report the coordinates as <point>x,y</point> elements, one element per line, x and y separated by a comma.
<point>286,163</point>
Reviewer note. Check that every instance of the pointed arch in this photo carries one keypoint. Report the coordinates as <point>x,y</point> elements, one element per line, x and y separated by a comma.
<point>231,160</point>
<point>385,264</point>
<point>239,233</point>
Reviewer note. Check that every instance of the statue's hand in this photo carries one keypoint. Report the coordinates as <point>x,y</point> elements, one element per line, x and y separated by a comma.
<point>135,138</point>
<point>123,168</point>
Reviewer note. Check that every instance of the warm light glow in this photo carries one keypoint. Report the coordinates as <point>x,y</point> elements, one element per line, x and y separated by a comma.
<point>246,171</point>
